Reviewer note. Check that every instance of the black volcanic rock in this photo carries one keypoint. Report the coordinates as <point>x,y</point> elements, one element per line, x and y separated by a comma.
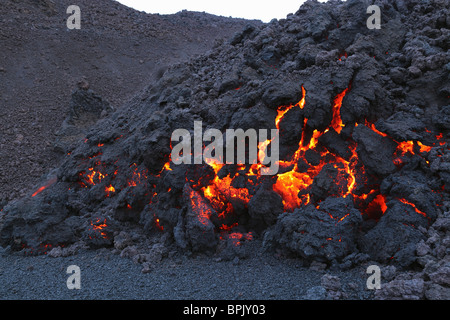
<point>442,120</point>
<point>324,234</point>
<point>264,208</point>
<point>326,183</point>
<point>414,187</point>
<point>281,92</point>
<point>122,170</point>
<point>335,143</point>
<point>375,151</point>
<point>199,232</point>
<point>402,126</point>
<point>117,52</point>
<point>396,235</point>
<point>85,110</point>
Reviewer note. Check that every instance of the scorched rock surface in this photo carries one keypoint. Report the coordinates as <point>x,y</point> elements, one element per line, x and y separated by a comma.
<point>363,145</point>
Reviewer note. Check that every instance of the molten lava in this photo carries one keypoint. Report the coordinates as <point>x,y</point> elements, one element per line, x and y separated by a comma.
<point>219,196</point>
<point>336,123</point>
<point>138,177</point>
<point>110,189</point>
<point>414,207</point>
<point>200,207</point>
<point>291,183</point>
<point>423,148</point>
<point>99,227</point>
<point>374,129</point>
<point>47,185</point>
<point>377,207</point>
<point>284,109</point>
<point>94,175</point>
<point>405,147</point>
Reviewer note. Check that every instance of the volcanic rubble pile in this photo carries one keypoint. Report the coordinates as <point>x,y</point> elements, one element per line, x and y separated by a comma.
<point>364,174</point>
<point>117,51</point>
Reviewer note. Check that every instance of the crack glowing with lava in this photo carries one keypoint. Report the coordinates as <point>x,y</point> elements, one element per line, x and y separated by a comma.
<point>291,183</point>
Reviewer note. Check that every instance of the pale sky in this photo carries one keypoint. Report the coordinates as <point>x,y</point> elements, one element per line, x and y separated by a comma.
<point>249,9</point>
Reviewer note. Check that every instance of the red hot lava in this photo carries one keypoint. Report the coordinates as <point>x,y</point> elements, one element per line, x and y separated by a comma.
<point>220,195</point>
<point>293,186</point>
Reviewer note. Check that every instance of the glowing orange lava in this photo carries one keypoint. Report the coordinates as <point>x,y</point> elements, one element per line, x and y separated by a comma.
<point>110,189</point>
<point>405,147</point>
<point>200,207</point>
<point>48,184</point>
<point>414,207</point>
<point>284,109</point>
<point>336,123</point>
<point>99,227</point>
<point>294,184</point>
<point>423,148</point>
<point>291,183</point>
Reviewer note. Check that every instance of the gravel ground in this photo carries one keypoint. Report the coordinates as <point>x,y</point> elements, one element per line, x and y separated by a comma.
<point>107,276</point>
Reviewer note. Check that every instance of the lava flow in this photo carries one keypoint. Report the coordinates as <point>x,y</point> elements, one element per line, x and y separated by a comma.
<point>99,226</point>
<point>47,185</point>
<point>223,195</point>
<point>291,183</point>
<point>294,185</point>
